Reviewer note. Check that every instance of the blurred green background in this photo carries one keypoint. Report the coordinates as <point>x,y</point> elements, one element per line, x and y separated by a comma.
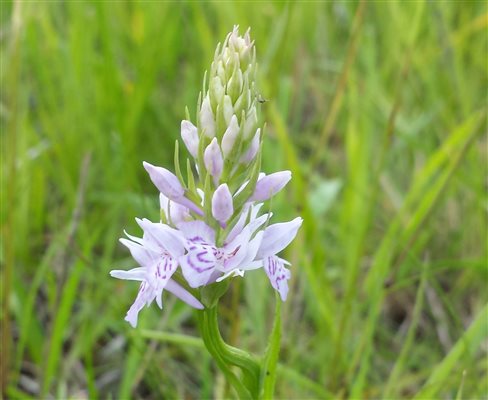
<point>379,110</point>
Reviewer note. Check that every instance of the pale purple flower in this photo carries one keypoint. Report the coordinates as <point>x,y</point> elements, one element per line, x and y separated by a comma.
<point>204,258</point>
<point>274,239</point>
<point>157,253</point>
<point>170,186</point>
<point>267,186</point>
<point>222,206</point>
<point>213,160</point>
<point>189,134</point>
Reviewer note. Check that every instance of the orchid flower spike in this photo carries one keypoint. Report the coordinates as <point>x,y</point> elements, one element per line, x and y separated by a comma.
<point>211,225</point>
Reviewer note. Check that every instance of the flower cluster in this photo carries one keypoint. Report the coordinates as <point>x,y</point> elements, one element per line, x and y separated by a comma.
<point>211,226</point>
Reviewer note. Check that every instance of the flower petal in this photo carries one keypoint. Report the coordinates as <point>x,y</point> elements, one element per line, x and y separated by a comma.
<point>197,232</point>
<point>252,249</point>
<point>278,236</point>
<point>134,274</point>
<point>163,236</point>
<point>144,297</point>
<point>183,294</point>
<point>241,222</point>
<point>278,275</point>
<point>164,269</point>
<point>141,254</point>
<point>235,251</point>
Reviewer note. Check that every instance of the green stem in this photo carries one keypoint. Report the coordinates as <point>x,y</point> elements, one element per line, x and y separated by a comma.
<point>270,360</point>
<point>227,356</point>
<point>213,348</point>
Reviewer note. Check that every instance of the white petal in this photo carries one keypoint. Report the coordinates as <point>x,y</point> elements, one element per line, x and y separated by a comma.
<point>164,237</point>
<point>135,274</point>
<point>142,255</point>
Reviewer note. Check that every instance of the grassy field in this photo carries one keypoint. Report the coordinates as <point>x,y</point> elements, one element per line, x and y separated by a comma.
<point>379,110</point>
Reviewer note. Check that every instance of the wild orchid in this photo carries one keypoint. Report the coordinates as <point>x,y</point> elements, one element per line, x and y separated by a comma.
<point>210,227</point>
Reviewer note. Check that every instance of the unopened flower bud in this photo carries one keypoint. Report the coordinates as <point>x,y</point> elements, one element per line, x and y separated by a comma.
<point>251,123</point>
<point>228,109</point>
<point>169,185</point>
<point>222,207</point>
<point>207,121</point>
<point>165,181</point>
<point>189,134</point>
<point>253,148</point>
<point>230,136</point>
<point>234,87</point>
<point>221,71</point>
<point>269,185</point>
<point>213,159</point>
<point>216,90</point>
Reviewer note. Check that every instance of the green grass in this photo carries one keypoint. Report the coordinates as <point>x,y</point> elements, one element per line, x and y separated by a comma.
<point>378,109</point>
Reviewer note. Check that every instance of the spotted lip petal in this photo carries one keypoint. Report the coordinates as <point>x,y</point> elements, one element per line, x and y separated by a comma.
<point>198,264</point>
<point>278,275</point>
